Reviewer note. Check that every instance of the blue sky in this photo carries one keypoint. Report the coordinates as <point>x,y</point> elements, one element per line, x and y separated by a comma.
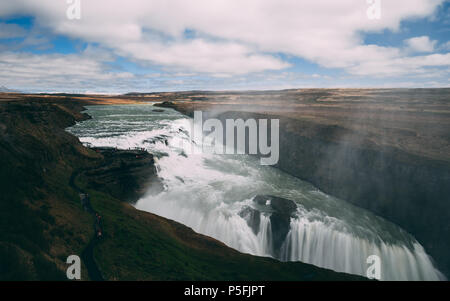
<point>175,45</point>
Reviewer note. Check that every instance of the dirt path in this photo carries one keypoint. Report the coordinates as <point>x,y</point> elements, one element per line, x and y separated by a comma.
<point>88,253</point>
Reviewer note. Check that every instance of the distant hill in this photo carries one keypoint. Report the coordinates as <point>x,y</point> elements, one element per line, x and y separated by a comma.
<point>4,89</point>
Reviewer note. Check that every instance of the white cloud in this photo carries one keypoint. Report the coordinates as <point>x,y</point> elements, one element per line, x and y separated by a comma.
<point>398,66</point>
<point>233,37</point>
<point>57,71</point>
<point>446,46</point>
<point>203,56</point>
<point>420,44</point>
<point>8,31</point>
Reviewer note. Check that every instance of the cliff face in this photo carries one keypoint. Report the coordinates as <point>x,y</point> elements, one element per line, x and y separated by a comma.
<point>125,174</point>
<point>409,190</point>
<point>40,222</point>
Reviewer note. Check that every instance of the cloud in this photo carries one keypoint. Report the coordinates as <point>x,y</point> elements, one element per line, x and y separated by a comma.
<point>446,46</point>
<point>225,41</point>
<point>232,37</point>
<point>203,56</point>
<point>58,72</point>
<point>420,44</point>
<point>8,31</point>
<point>411,66</point>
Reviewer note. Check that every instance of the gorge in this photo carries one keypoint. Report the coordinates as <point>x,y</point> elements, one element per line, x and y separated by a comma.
<point>220,195</point>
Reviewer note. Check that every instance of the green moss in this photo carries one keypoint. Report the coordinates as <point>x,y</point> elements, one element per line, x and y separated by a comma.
<point>47,270</point>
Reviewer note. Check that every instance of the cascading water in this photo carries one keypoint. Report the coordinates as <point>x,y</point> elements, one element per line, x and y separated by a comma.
<point>214,195</point>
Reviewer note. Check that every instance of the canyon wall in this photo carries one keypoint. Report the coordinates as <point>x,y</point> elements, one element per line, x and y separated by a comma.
<point>409,190</point>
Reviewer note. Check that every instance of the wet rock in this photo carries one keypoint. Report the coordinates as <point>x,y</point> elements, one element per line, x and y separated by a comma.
<point>281,210</point>
<point>165,104</point>
<point>253,218</point>
<point>280,219</point>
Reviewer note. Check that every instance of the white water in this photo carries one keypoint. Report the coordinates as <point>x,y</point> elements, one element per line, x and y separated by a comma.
<point>207,192</point>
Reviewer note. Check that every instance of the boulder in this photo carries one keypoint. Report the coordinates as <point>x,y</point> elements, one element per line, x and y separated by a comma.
<point>280,219</point>
<point>253,218</point>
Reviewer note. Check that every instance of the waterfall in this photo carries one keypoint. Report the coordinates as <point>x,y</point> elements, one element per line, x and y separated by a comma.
<point>315,243</point>
<point>213,194</point>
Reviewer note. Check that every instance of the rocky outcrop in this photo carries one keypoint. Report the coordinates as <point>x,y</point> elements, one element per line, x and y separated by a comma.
<point>281,210</point>
<point>187,110</point>
<point>280,219</point>
<point>253,218</point>
<point>125,174</point>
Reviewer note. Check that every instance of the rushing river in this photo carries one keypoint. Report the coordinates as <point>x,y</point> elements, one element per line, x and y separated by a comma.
<point>208,193</point>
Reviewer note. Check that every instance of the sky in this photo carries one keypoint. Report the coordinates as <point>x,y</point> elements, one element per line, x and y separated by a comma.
<point>114,46</point>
